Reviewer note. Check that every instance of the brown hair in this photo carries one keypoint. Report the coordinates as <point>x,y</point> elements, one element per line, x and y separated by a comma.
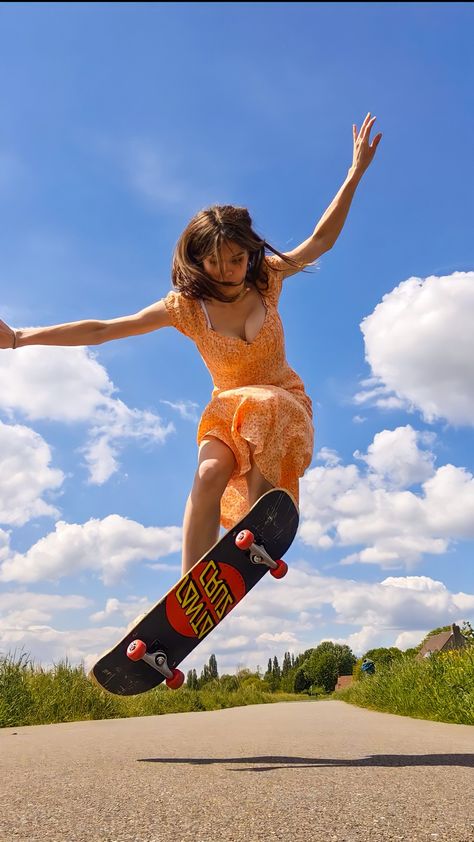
<point>207,231</point>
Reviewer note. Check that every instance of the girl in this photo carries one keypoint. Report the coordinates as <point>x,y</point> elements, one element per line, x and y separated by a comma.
<point>257,432</point>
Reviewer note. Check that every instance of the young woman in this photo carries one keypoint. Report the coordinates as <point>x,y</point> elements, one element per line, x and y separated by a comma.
<point>257,431</point>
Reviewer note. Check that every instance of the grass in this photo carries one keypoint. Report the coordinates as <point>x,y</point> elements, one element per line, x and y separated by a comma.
<point>30,695</point>
<point>440,688</point>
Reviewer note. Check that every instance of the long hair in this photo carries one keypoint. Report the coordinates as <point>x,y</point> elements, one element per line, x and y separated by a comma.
<point>205,234</point>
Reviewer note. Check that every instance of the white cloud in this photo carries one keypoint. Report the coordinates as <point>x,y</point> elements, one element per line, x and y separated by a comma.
<point>107,546</point>
<point>69,385</point>
<point>369,637</point>
<point>395,457</point>
<point>60,384</point>
<point>153,173</point>
<point>26,476</point>
<point>293,616</point>
<point>278,639</point>
<point>149,172</point>
<point>398,611</point>
<point>118,609</point>
<point>400,603</point>
<point>328,456</point>
<point>21,608</point>
<point>419,344</point>
<point>186,409</point>
<point>450,502</point>
<point>343,507</point>
<point>25,619</point>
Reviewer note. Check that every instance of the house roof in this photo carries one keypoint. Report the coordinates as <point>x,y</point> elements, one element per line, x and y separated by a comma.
<point>438,641</point>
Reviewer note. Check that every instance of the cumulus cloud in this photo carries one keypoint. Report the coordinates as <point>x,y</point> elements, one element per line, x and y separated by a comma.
<point>398,611</point>
<point>71,386</point>
<point>379,510</point>
<point>298,611</point>
<point>26,627</point>
<point>21,609</point>
<point>107,547</point>
<point>186,409</point>
<point>419,344</point>
<point>26,476</point>
<point>126,610</point>
<point>396,458</point>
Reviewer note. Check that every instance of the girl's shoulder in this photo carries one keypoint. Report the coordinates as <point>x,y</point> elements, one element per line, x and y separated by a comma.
<point>275,277</point>
<point>183,312</point>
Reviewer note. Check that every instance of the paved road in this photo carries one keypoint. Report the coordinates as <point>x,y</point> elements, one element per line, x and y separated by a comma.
<point>317,771</point>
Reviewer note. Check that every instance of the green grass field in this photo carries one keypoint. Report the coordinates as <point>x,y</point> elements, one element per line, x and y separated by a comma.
<point>32,696</point>
<point>440,688</point>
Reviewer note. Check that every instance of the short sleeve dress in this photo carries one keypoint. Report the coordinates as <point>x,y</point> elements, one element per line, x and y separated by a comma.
<point>257,398</point>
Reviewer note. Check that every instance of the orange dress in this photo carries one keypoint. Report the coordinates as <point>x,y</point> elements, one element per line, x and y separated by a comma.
<point>257,398</point>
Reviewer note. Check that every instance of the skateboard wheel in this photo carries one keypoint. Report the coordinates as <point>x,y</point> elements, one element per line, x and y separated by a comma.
<point>136,650</point>
<point>244,539</point>
<point>280,571</point>
<point>176,681</point>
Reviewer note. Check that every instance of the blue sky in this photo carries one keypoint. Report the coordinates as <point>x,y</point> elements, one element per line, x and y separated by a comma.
<point>119,122</point>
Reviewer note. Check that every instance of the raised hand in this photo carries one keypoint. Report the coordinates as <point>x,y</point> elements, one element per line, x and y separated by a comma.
<point>364,151</point>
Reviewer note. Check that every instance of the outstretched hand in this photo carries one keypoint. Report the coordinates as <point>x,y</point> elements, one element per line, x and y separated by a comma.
<point>363,150</point>
<point>7,336</point>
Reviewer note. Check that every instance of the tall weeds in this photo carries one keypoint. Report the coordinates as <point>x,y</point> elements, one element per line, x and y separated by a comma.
<point>30,695</point>
<point>440,688</point>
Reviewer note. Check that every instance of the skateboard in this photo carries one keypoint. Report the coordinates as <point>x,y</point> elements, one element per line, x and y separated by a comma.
<point>151,650</point>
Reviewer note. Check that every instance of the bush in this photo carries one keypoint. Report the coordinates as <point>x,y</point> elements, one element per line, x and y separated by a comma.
<point>439,688</point>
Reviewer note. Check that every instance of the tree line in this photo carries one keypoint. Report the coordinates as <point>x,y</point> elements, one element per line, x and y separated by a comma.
<point>315,671</point>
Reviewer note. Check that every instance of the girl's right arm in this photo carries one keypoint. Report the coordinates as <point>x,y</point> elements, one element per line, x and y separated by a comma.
<point>87,332</point>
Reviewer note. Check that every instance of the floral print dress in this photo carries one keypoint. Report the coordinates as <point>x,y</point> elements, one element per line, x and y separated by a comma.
<point>257,398</point>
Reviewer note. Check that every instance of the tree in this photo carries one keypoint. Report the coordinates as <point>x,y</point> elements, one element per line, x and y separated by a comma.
<point>209,672</point>
<point>213,667</point>
<point>301,682</point>
<point>384,656</point>
<point>276,669</point>
<point>325,663</point>
<point>467,631</point>
<point>327,671</point>
<point>229,683</point>
<point>286,668</point>
<point>272,676</point>
<point>192,680</point>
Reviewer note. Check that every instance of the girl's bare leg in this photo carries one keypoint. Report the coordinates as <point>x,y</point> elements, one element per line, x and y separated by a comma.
<point>256,482</point>
<point>202,513</point>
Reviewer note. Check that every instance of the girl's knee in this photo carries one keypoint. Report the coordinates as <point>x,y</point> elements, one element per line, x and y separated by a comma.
<point>211,473</point>
<point>216,466</point>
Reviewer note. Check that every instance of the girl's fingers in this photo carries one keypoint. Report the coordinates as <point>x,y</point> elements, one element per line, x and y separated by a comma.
<point>376,141</point>
<point>364,124</point>
<point>368,127</point>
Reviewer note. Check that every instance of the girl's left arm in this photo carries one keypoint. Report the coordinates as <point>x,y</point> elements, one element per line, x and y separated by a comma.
<point>332,221</point>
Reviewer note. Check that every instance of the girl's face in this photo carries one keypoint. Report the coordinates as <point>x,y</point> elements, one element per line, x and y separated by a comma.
<point>231,273</point>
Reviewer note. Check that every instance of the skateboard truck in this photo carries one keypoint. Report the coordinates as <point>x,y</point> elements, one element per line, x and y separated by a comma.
<point>245,540</point>
<point>158,660</point>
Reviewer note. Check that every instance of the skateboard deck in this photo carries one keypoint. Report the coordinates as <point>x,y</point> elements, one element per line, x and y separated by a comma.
<point>201,599</point>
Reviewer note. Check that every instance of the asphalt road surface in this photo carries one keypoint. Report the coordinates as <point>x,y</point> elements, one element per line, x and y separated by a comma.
<point>317,771</point>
